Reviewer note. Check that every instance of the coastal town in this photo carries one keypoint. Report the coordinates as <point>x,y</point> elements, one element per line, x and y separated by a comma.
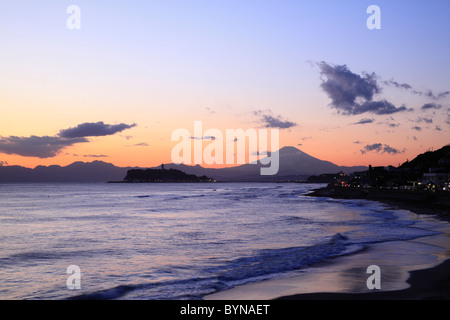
<point>429,171</point>
<point>421,185</point>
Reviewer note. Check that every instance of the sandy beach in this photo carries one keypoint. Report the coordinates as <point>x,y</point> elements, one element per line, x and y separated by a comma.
<point>409,277</point>
<point>424,284</point>
<point>345,279</point>
<point>427,284</point>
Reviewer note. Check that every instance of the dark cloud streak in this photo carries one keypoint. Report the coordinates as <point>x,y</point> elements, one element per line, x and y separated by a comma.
<point>429,106</point>
<point>397,85</point>
<point>269,121</point>
<point>94,129</point>
<point>95,156</point>
<point>383,148</point>
<point>427,93</point>
<point>41,147</point>
<point>364,121</point>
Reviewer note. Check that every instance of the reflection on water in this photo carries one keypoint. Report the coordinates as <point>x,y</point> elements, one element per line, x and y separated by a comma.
<point>185,241</point>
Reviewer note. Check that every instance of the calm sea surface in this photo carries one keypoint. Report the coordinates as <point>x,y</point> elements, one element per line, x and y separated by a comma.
<point>177,241</point>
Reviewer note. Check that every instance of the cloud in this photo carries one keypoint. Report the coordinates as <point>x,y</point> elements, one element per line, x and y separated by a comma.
<point>391,150</point>
<point>95,156</point>
<point>430,94</point>
<point>94,129</point>
<point>203,138</point>
<point>47,146</point>
<point>142,144</point>
<point>260,153</point>
<point>371,147</point>
<point>428,106</point>
<point>210,110</point>
<point>41,147</point>
<point>417,128</point>
<point>270,121</point>
<point>383,148</point>
<point>352,94</point>
<point>398,85</point>
<point>427,93</point>
<point>379,107</point>
<point>364,121</point>
<point>426,120</point>
<point>437,128</point>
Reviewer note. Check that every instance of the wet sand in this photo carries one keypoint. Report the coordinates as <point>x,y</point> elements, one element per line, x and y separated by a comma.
<point>424,284</point>
<point>424,276</point>
<point>428,284</point>
<point>422,272</point>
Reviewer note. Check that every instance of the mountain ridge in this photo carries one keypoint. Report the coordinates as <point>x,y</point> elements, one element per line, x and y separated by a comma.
<point>95,171</point>
<point>294,165</point>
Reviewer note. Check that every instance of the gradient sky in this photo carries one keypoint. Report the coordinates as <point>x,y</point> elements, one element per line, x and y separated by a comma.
<point>138,70</point>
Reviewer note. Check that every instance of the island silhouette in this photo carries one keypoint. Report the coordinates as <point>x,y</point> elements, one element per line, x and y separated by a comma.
<point>161,175</point>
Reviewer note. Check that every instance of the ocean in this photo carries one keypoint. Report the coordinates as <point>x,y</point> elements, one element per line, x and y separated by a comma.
<point>182,240</point>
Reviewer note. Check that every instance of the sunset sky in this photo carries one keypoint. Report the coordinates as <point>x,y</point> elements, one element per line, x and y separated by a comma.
<point>117,88</point>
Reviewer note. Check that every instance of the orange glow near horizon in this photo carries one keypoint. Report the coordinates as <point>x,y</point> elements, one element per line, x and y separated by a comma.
<point>149,143</point>
<point>128,150</point>
<point>187,63</point>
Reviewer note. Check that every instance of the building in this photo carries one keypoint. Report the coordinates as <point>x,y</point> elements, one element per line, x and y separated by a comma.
<point>437,179</point>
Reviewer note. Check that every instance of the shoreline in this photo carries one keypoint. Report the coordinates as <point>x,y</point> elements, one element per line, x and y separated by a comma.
<point>419,202</point>
<point>424,284</point>
<point>424,281</point>
<point>345,278</point>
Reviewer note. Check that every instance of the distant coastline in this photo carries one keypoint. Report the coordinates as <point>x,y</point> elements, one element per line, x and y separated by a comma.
<point>295,166</point>
<point>420,202</point>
